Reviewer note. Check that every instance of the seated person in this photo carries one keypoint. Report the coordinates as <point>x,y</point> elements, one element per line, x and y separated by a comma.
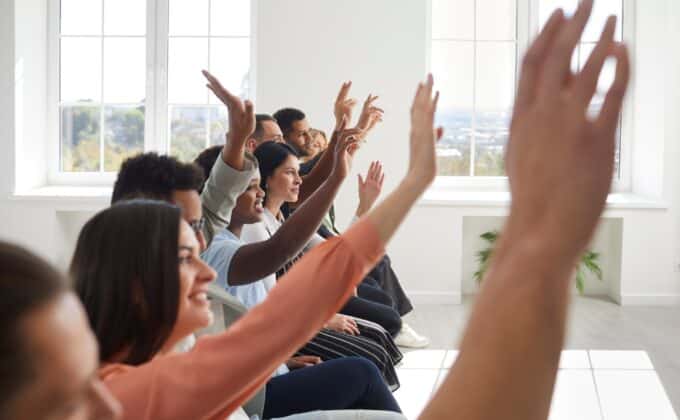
<point>280,180</point>
<point>317,144</point>
<point>40,377</point>
<point>238,263</point>
<point>295,128</point>
<point>138,272</point>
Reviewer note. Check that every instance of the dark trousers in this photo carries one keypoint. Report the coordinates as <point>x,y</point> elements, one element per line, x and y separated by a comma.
<point>384,277</point>
<point>339,384</point>
<point>384,315</point>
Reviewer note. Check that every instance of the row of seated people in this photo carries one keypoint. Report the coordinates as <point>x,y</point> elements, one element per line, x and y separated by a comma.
<point>142,285</point>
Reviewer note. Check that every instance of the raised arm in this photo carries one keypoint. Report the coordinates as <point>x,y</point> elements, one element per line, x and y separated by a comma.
<point>560,164</point>
<point>342,109</point>
<point>254,261</point>
<point>223,370</point>
<point>234,169</point>
<point>369,188</point>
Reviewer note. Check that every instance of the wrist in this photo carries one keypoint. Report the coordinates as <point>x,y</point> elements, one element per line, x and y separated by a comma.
<point>546,252</point>
<point>362,209</point>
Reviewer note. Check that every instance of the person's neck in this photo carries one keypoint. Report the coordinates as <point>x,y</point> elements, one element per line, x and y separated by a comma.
<point>235,228</point>
<point>274,205</point>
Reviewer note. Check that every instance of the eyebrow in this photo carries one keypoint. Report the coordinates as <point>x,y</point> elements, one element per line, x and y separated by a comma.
<point>186,248</point>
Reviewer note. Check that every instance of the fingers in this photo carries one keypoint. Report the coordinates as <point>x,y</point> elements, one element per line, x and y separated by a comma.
<point>534,58</point>
<point>558,61</point>
<point>586,82</point>
<point>344,91</point>
<point>613,102</point>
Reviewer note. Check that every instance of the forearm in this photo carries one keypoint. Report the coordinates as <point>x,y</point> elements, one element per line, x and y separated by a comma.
<point>221,190</point>
<point>194,384</point>
<point>389,214</point>
<point>233,153</point>
<point>319,172</point>
<point>511,349</point>
<point>255,261</point>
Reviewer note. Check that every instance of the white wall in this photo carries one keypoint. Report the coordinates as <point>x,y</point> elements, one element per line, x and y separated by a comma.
<point>306,48</point>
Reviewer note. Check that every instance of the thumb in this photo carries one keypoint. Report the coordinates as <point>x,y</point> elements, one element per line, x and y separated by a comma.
<point>361,179</point>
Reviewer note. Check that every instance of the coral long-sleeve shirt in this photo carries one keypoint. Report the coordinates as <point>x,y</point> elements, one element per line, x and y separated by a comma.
<point>223,371</point>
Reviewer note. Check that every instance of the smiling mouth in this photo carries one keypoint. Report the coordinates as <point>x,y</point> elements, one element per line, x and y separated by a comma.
<point>258,206</point>
<point>200,297</point>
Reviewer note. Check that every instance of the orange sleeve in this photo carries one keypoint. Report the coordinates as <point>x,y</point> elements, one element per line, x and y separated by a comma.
<point>223,371</point>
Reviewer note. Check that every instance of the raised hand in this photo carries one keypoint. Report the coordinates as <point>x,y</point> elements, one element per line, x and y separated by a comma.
<point>560,162</point>
<point>560,165</point>
<point>343,105</point>
<point>370,188</point>
<point>370,115</point>
<point>423,159</point>
<point>241,113</point>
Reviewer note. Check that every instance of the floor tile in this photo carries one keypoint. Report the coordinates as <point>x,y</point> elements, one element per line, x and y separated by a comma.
<point>575,397</point>
<point>632,395</point>
<point>423,359</point>
<point>416,390</point>
<point>574,359</point>
<point>450,358</point>
<point>620,359</point>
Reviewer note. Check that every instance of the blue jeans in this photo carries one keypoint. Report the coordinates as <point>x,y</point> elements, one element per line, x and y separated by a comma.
<point>338,384</point>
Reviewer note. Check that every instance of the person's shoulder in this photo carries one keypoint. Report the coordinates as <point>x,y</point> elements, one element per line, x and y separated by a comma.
<point>110,371</point>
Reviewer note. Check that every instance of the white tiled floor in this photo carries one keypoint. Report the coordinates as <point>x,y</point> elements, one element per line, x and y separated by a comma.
<point>591,385</point>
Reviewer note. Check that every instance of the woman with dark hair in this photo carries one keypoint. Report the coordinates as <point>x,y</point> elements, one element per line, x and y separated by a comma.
<point>279,178</point>
<point>40,377</point>
<point>138,272</point>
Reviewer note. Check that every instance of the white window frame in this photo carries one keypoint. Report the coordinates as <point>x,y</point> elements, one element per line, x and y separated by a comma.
<point>527,28</point>
<point>156,115</point>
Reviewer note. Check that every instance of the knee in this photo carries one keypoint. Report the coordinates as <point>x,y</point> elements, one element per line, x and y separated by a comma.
<point>366,371</point>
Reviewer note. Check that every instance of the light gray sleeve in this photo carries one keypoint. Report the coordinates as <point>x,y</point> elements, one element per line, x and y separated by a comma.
<point>221,190</point>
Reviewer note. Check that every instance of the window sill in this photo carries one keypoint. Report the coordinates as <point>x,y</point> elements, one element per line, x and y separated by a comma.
<point>66,198</point>
<point>69,198</point>
<point>615,201</point>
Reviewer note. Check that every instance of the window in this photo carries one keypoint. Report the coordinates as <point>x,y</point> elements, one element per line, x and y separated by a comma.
<point>102,87</point>
<point>204,34</point>
<point>112,98</point>
<point>475,49</point>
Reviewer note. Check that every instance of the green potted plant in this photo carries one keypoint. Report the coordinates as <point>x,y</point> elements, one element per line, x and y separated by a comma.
<point>589,263</point>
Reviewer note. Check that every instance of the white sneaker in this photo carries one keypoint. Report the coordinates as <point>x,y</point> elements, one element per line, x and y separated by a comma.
<point>407,337</point>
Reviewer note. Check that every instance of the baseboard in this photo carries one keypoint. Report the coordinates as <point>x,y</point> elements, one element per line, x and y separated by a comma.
<point>435,298</point>
<point>649,300</point>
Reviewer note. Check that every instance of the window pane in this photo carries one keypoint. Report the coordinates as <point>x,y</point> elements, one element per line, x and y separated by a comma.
<point>80,139</point>
<point>124,17</point>
<point>187,57</point>
<point>188,132</point>
<point>453,19</point>
<point>453,150</point>
<point>123,135</point>
<point>491,136</point>
<point>81,17</point>
<point>452,67</point>
<point>495,75</point>
<point>230,62</point>
<point>218,125</point>
<point>189,17</point>
<point>230,18</point>
<point>602,9</point>
<point>124,70</point>
<point>496,20</point>
<point>81,69</point>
